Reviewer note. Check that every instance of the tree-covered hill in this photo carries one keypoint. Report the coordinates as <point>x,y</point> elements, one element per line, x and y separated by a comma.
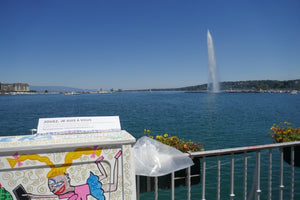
<point>256,85</point>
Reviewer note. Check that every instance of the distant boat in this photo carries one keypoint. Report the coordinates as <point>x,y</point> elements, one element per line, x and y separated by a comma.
<point>294,92</point>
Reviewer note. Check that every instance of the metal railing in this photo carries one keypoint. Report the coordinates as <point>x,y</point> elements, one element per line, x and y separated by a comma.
<point>230,154</point>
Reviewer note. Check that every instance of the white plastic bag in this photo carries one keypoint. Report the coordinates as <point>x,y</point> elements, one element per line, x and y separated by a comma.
<point>153,158</point>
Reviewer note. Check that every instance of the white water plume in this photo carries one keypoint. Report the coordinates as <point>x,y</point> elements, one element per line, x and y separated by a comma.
<point>213,83</point>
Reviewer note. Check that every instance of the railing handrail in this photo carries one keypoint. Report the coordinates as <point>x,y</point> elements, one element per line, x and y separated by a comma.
<point>237,150</point>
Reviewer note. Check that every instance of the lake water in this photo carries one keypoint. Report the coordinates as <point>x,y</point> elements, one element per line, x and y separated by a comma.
<point>219,121</point>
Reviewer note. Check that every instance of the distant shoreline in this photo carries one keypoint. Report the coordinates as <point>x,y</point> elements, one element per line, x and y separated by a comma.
<point>259,86</point>
<point>147,91</point>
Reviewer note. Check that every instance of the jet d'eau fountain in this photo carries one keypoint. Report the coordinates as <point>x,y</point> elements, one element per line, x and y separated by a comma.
<point>213,82</point>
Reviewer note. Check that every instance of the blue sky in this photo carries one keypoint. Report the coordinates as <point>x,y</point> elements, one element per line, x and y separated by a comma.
<point>128,44</point>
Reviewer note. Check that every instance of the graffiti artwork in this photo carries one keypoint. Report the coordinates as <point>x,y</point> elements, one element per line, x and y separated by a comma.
<point>99,170</point>
<point>59,179</point>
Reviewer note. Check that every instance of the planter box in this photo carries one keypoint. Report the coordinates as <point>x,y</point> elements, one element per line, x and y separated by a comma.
<point>164,182</point>
<point>89,166</point>
<point>287,155</point>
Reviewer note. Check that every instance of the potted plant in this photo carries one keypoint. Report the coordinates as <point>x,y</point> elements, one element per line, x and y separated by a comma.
<point>147,183</point>
<point>284,132</point>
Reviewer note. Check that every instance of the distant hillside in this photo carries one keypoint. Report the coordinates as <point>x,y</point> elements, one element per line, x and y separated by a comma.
<point>263,85</point>
<point>245,85</point>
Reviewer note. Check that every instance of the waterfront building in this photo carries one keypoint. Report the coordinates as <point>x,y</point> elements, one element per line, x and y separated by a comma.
<point>14,87</point>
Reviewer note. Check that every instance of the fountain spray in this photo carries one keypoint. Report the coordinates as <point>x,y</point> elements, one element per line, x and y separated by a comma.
<point>213,83</point>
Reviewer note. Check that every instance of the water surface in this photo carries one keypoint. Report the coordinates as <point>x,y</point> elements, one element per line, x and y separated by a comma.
<point>221,120</point>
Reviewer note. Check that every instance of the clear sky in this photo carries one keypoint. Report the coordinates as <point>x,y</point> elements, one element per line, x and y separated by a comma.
<point>137,44</point>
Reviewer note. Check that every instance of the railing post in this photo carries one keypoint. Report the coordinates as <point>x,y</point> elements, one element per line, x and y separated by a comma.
<point>245,174</point>
<point>148,179</point>
<point>219,179</point>
<point>270,176</point>
<point>232,195</point>
<point>156,187</point>
<point>292,171</point>
<point>281,186</point>
<point>258,191</point>
<point>189,183</point>
<point>173,185</point>
<point>203,177</point>
<point>137,187</point>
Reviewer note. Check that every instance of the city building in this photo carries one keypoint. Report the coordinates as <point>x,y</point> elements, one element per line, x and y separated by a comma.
<point>14,87</point>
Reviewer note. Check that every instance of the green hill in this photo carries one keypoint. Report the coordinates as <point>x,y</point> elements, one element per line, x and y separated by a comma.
<point>251,86</point>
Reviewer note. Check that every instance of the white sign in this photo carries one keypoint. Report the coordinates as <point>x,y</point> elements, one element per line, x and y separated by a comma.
<point>78,125</point>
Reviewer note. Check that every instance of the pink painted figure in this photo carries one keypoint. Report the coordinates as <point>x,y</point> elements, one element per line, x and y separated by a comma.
<point>60,185</point>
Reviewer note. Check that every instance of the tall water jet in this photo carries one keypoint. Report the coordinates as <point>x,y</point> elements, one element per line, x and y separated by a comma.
<point>213,83</point>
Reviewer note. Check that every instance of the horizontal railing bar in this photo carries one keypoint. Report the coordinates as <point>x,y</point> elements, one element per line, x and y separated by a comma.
<point>184,177</point>
<point>240,150</point>
<point>177,178</point>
